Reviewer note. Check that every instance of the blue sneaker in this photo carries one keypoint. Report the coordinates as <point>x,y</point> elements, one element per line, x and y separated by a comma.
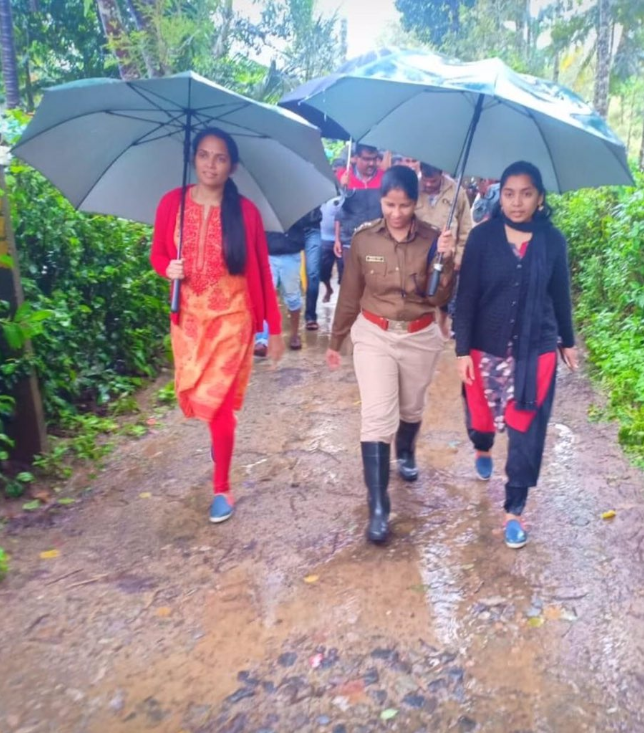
<point>484,466</point>
<point>515,536</point>
<point>221,508</point>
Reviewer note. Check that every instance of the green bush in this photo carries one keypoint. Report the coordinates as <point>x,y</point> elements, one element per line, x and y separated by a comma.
<point>108,309</point>
<point>95,312</point>
<point>4,564</point>
<point>605,230</point>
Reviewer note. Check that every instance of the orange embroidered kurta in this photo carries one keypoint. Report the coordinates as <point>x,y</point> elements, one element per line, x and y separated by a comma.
<point>213,341</point>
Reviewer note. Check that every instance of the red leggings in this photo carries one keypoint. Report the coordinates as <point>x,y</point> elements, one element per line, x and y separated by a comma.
<point>222,436</point>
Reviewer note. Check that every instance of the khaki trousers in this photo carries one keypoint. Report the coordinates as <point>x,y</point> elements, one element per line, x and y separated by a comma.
<point>394,370</point>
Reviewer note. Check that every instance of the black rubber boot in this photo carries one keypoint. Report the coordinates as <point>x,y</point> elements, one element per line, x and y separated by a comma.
<point>375,460</point>
<point>405,450</point>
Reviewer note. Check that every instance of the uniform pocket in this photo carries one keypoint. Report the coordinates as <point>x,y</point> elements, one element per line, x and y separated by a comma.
<point>375,270</point>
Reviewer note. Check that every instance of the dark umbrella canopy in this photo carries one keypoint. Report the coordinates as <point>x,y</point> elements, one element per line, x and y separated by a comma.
<point>295,101</point>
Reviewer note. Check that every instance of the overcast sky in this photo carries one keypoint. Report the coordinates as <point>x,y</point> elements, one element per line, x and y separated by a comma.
<point>366,20</point>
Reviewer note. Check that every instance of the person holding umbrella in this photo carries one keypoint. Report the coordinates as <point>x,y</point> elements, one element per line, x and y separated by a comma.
<point>226,295</point>
<point>397,344</point>
<point>513,310</point>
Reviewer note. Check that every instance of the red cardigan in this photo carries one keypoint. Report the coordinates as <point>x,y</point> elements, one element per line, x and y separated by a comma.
<point>258,271</point>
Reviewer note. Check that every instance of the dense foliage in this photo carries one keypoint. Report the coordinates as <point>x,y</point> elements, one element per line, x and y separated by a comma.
<point>605,230</point>
<point>94,310</point>
<point>108,308</point>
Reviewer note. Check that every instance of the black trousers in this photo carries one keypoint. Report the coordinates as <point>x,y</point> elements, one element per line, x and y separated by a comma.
<point>327,260</point>
<point>525,452</point>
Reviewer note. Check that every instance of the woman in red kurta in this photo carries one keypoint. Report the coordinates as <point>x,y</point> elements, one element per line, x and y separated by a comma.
<point>226,295</point>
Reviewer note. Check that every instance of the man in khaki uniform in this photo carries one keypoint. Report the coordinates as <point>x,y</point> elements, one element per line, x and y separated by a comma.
<point>434,204</point>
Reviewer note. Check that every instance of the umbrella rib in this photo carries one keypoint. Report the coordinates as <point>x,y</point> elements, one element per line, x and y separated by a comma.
<point>22,141</point>
<point>171,122</point>
<point>147,94</point>
<point>103,172</point>
<point>545,142</point>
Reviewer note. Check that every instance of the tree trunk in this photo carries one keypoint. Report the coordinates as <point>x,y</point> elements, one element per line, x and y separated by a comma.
<point>602,71</point>
<point>140,10</point>
<point>9,61</point>
<point>521,20</point>
<point>221,41</point>
<point>343,40</point>
<point>108,12</point>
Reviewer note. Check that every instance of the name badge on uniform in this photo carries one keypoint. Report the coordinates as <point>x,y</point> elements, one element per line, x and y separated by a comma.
<point>374,258</point>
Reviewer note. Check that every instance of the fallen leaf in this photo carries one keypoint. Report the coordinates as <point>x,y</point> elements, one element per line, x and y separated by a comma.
<point>469,566</point>
<point>610,514</point>
<point>388,714</point>
<point>164,611</point>
<point>536,622</point>
<point>31,506</point>
<point>145,495</point>
<point>42,495</point>
<point>569,616</point>
<point>151,421</point>
<point>420,588</point>
<point>311,578</point>
<point>493,601</point>
<point>49,554</point>
<point>66,500</point>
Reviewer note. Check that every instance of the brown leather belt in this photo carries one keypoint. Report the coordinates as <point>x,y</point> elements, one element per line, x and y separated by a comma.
<point>406,326</point>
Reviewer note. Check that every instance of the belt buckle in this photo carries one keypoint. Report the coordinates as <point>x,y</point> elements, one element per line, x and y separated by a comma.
<point>401,326</point>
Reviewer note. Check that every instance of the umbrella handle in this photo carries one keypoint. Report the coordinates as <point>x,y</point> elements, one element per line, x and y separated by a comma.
<point>176,284</point>
<point>435,277</point>
<point>176,293</point>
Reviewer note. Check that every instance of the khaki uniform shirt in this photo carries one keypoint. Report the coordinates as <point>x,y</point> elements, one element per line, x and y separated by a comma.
<point>388,278</point>
<point>437,213</point>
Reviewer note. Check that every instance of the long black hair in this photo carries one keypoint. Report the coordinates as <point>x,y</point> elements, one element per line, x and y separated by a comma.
<point>400,177</point>
<point>523,168</point>
<point>232,219</point>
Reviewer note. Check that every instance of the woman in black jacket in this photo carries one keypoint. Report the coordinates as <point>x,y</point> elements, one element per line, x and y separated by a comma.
<point>513,311</point>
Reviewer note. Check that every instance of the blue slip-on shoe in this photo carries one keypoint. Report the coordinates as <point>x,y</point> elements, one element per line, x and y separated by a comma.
<point>484,466</point>
<point>221,508</point>
<point>514,535</point>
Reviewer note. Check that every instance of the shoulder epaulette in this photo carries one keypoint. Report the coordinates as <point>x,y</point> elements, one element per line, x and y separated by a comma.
<point>367,225</point>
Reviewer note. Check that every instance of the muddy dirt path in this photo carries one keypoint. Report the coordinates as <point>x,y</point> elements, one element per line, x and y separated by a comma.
<point>285,620</point>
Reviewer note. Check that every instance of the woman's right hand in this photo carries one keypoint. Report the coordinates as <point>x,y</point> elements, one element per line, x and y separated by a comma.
<point>333,359</point>
<point>465,367</point>
<point>175,270</point>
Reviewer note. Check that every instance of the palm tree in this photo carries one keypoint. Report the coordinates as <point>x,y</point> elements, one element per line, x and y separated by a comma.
<point>602,71</point>
<point>110,15</point>
<point>9,62</point>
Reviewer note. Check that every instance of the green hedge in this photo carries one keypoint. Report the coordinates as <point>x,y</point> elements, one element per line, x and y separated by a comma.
<point>605,230</point>
<point>108,310</point>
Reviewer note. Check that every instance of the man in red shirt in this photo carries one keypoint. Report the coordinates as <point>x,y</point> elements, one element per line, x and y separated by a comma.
<point>361,184</point>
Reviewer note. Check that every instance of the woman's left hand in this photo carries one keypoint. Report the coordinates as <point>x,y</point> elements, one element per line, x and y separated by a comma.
<point>275,350</point>
<point>570,358</point>
<point>446,243</point>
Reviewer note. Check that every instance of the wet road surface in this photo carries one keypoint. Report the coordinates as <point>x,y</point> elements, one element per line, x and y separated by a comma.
<point>285,620</point>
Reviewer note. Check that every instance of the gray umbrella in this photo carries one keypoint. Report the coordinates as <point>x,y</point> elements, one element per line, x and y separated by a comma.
<point>115,147</point>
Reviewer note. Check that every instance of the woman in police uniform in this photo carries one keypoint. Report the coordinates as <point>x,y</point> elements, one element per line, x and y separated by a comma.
<point>396,340</point>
